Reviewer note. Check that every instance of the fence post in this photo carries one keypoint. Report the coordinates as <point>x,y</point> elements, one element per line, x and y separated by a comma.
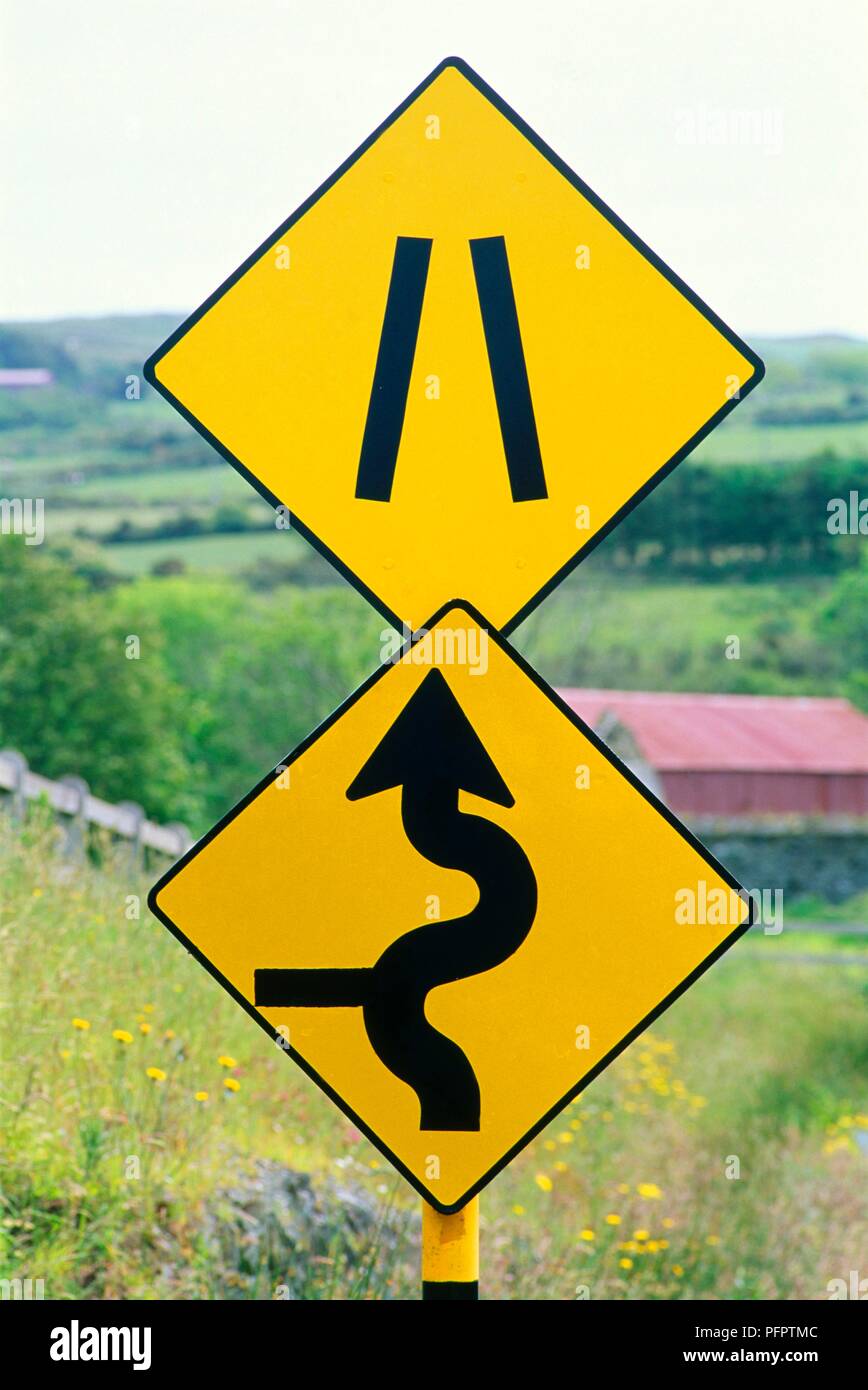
<point>19,763</point>
<point>75,838</point>
<point>137,814</point>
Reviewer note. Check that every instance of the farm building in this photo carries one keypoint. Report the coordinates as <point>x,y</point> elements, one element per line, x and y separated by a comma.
<point>737,755</point>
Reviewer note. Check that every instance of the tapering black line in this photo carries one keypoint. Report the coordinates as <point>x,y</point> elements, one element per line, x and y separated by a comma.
<point>508,370</point>
<point>311,989</point>
<point>394,366</point>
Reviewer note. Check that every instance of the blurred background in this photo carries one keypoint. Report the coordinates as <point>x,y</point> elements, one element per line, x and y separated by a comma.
<point>717,640</point>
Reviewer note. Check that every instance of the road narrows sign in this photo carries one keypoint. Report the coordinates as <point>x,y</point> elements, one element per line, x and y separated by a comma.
<point>454,293</point>
<point>452,905</point>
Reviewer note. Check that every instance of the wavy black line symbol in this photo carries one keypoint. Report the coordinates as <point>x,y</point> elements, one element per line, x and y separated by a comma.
<point>431,752</point>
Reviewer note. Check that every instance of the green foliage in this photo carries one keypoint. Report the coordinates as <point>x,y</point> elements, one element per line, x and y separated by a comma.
<point>707,520</point>
<point>71,701</point>
<point>258,673</point>
<point>844,623</point>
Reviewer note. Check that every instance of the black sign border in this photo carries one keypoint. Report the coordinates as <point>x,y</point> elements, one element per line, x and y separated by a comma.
<point>428,1193</point>
<point>539,144</point>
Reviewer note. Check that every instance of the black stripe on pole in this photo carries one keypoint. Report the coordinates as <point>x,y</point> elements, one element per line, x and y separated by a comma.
<point>508,370</point>
<point>466,1291</point>
<point>388,401</point>
<point>310,989</point>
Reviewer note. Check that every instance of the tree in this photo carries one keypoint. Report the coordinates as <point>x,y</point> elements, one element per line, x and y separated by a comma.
<point>73,698</point>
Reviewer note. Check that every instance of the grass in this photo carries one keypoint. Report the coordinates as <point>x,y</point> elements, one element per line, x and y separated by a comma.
<point>737,442</point>
<point>169,486</point>
<point>222,554</point>
<point>114,1177</point>
<point>601,630</point>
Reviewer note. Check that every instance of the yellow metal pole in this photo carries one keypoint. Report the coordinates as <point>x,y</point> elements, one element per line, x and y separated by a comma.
<point>450,1253</point>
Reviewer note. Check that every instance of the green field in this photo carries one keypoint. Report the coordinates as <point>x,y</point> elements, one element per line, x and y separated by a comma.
<point>598,630</point>
<point>734,442</point>
<point>211,554</point>
<point>123,1184</point>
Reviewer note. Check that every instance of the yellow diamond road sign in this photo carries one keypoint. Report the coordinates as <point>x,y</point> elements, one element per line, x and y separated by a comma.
<point>453,364</point>
<point>453,906</point>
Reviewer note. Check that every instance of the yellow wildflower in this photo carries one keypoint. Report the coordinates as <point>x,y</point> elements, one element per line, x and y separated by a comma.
<point>543,1182</point>
<point>518,1209</point>
<point>587,1234</point>
<point>225,1061</point>
<point>626,1263</point>
<point>81,1023</point>
<point>649,1190</point>
<point>231,1084</point>
<point>201,1095</point>
<point>613,1219</point>
<point>122,1036</point>
<point>156,1074</point>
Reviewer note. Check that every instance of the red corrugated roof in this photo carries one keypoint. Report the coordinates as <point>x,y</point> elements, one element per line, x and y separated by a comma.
<point>762,733</point>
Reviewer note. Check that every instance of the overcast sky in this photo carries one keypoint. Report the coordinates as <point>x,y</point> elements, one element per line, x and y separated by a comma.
<point>148,148</point>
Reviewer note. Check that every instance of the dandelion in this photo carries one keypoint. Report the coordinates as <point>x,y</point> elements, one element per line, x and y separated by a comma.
<point>641,1235</point>
<point>543,1182</point>
<point>678,1271</point>
<point>518,1209</point>
<point>565,1138</point>
<point>156,1074</point>
<point>587,1234</point>
<point>225,1061</point>
<point>613,1219</point>
<point>650,1190</point>
<point>712,1240</point>
<point>231,1084</point>
<point>667,1222</point>
<point>560,1166</point>
<point>145,1028</point>
<point>168,1035</point>
<point>81,1023</point>
<point>147,1008</point>
<point>626,1263</point>
<point>550,1145</point>
<point>65,1054</point>
<point>374,1163</point>
<point>201,1096</point>
<point>37,893</point>
<point>653,1246</point>
<point>122,1036</point>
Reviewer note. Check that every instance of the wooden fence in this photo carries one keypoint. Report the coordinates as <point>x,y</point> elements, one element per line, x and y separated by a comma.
<point>71,799</point>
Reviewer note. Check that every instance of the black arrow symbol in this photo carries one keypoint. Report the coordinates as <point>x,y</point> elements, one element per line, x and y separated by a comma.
<point>431,752</point>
